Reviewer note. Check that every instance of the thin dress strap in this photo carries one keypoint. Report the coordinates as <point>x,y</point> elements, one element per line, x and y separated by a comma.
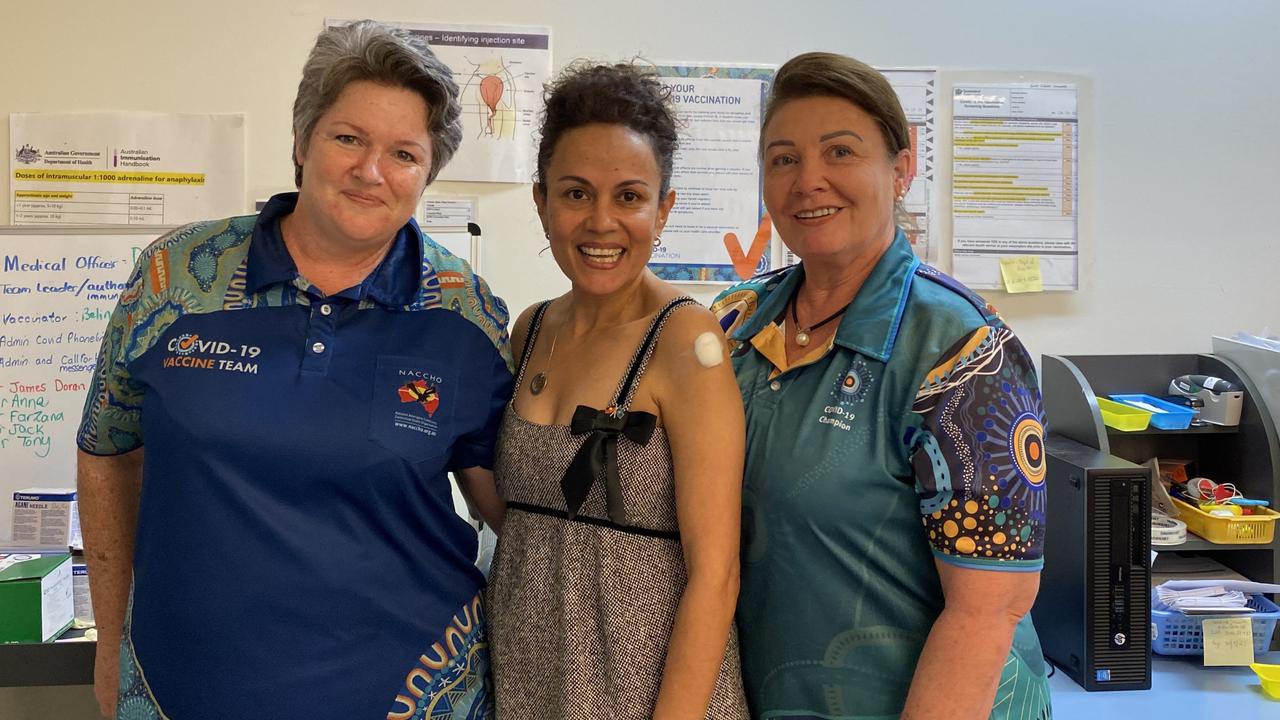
<point>534,325</point>
<point>627,387</point>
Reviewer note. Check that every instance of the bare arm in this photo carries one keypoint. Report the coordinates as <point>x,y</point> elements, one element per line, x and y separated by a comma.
<point>481,492</point>
<point>108,488</point>
<point>702,411</point>
<point>520,332</point>
<point>477,483</point>
<point>974,632</point>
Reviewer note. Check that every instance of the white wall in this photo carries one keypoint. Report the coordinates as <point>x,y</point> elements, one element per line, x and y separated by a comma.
<point>1177,136</point>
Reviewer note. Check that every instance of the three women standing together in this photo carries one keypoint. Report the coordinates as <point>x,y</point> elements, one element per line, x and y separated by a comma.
<point>892,510</point>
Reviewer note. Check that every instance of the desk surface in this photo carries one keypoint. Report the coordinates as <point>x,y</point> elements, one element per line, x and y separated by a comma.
<point>1181,687</point>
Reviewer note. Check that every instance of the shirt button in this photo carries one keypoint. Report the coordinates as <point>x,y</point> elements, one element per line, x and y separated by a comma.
<point>775,386</point>
<point>326,309</point>
<point>317,348</point>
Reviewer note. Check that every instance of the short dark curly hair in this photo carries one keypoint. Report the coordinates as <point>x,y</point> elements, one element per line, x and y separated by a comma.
<point>624,94</point>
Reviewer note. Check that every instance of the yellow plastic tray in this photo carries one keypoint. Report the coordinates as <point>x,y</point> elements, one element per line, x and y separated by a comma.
<point>1270,677</point>
<point>1256,529</point>
<point>1123,417</point>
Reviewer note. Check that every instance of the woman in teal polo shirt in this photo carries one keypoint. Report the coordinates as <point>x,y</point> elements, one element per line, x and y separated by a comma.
<point>894,493</point>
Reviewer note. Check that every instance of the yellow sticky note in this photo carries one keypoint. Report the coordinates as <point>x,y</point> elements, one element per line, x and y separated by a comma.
<point>1021,273</point>
<point>1228,641</point>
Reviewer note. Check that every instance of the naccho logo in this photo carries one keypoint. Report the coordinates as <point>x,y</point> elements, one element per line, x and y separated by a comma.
<point>422,393</point>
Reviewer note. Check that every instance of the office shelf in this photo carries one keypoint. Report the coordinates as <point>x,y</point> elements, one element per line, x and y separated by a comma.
<point>59,663</point>
<point>1247,455</point>
<point>1200,430</point>
<point>1197,544</point>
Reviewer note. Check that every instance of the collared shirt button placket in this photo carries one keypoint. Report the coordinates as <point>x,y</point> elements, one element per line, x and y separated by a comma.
<point>319,336</point>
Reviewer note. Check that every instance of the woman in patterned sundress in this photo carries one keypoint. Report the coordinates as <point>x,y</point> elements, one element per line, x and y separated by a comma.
<point>620,457</point>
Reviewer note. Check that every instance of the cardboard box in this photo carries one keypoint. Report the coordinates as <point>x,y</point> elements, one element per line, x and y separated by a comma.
<point>36,599</point>
<point>46,517</point>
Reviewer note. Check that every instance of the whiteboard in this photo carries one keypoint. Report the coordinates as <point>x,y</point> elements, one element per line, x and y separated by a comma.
<point>461,240</point>
<point>58,287</point>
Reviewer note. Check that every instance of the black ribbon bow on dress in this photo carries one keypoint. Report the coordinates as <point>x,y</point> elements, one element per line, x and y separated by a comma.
<point>598,456</point>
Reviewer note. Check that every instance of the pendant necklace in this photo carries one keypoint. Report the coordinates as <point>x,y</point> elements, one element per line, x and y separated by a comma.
<point>802,333</point>
<point>539,381</point>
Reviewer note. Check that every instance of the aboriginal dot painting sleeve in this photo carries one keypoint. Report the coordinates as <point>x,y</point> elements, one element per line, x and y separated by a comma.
<point>978,454</point>
<point>150,302</point>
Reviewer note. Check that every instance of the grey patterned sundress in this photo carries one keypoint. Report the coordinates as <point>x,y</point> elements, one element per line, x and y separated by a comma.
<point>581,604</point>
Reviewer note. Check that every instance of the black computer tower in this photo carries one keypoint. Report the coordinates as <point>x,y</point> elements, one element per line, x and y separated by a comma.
<point>1093,612</point>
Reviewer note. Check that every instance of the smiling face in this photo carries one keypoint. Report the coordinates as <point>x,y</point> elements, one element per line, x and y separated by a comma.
<point>829,181</point>
<point>602,206</point>
<point>366,164</point>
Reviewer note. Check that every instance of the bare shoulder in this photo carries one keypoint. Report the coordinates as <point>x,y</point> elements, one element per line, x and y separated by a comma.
<point>677,353</point>
<point>682,328</point>
<point>686,323</point>
<point>693,379</point>
<point>520,330</point>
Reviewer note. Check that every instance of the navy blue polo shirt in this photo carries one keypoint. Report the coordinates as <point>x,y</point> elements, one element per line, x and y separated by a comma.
<point>298,553</point>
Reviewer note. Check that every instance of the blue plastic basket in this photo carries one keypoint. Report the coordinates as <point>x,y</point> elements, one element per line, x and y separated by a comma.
<point>1175,633</point>
<point>1167,416</point>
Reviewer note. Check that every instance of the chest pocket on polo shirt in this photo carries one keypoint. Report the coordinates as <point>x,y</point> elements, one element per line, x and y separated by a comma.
<point>413,405</point>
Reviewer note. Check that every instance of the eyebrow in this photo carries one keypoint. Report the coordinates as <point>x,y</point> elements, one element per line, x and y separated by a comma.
<point>362,131</point>
<point>839,133</point>
<point>583,181</point>
<point>824,138</point>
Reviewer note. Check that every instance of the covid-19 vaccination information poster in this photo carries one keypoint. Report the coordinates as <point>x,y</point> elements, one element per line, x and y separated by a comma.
<point>125,168</point>
<point>718,231</point>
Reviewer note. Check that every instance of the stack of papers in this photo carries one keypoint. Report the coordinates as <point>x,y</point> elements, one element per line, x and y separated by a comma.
<point>1204,600</point>
<point>1205,597</point>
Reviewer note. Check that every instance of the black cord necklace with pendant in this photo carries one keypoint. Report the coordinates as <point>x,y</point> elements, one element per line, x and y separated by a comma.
<point>802,333</point>
<point>539,381</point>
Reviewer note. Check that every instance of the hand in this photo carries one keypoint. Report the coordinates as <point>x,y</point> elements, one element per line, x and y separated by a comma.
<point>106,677</point>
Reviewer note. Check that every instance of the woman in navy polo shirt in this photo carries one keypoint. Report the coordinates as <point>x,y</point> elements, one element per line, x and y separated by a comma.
<point>894,499</point>
<point>302,381</point>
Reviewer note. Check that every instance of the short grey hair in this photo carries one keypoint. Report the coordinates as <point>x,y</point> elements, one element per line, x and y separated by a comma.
<point>371,51</point>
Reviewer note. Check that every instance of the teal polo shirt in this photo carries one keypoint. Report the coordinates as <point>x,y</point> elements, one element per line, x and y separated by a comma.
<point>916,435</point>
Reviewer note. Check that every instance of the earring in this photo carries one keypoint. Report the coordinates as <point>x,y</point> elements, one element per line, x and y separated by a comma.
<point>546,234</point>
<point>657,241</point>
